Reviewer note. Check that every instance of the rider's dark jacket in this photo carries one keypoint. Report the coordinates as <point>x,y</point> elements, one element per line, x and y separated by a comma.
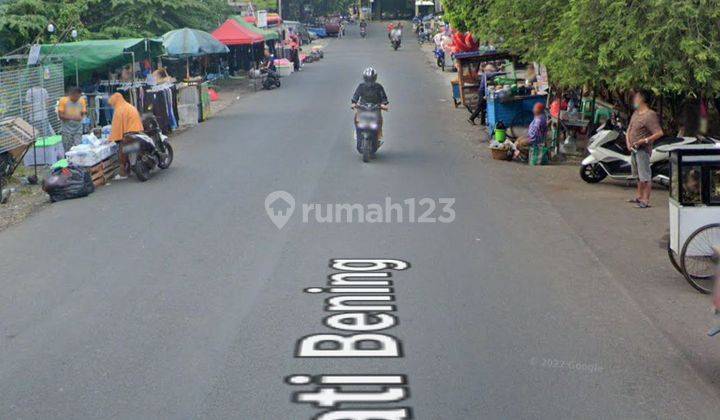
<point>370,93</point>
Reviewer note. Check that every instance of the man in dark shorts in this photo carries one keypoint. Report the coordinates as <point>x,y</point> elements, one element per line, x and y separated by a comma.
<point>643,131</point>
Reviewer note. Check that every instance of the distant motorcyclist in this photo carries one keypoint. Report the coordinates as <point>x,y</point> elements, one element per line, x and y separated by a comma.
<point>363,24</point>
<point>371,92</point>
<point>396,36</point>
<point>390,28</point>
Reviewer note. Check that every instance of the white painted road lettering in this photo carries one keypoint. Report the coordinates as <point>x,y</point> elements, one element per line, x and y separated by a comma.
<point>361,303</point>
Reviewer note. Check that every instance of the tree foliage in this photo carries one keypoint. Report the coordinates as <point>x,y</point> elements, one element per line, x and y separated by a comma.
<point>24,21</point>
<point>296,9</point>
<point>670,46</point>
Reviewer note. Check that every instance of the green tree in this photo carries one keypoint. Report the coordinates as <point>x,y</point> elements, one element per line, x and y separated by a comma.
<point>127,18</point>
<point>21,21</point>
<point>24,21</point>
<point>669,46</point>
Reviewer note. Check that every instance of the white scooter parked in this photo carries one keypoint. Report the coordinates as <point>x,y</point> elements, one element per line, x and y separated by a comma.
<point>609,155</point>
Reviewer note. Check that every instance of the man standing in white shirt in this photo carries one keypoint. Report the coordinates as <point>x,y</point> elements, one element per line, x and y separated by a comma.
<point>37,100</point>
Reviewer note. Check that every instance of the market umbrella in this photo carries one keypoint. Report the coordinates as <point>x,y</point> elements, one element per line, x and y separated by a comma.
<point>188,43</point>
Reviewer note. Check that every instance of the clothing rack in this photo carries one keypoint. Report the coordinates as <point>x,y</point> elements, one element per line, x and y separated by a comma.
<point>160,99</point>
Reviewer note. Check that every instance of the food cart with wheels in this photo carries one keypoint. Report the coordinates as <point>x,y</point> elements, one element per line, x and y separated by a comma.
<point>694,210</point>
<point>512,111</point>
<point>466,87</point>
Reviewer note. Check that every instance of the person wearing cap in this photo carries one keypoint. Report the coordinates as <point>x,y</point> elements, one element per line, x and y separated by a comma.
<point>537,132</point>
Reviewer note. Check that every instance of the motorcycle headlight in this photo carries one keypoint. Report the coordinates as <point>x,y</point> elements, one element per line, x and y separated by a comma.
<point>367,125</point>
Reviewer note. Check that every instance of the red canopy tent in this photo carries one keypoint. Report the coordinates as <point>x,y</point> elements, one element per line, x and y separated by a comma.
<point>272,19</point>
<point>233,33</point>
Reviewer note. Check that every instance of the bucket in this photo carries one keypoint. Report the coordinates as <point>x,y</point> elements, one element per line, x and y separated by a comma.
<point>500,135</point>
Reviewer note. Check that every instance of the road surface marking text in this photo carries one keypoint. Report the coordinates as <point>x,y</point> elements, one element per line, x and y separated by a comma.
<point>361,305</point>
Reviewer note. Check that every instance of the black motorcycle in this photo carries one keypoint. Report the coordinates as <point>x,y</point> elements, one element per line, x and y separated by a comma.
<point>395,43</point>
<point>363,31</point>
<point>271,80</point>
<point>367,129</point>
<point>147,150</point>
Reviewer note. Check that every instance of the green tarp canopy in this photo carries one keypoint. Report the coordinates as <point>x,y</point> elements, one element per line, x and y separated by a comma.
<point>268,34</point>
<point>101,55</point>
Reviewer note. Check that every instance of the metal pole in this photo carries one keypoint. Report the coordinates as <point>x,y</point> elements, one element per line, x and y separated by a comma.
<point>280,9</point>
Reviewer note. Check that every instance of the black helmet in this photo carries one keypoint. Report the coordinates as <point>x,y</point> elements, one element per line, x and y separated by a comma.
<point>370,75</point>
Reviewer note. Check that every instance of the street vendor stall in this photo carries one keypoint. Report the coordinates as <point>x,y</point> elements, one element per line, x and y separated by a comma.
<point>245,45</point>
<point>466,87</point>
<point>270,35</point>
<point>191,43</point>
<point>694,211</point>
<point>83,58</point>
<point>511,99</point>
<point>512,111</point>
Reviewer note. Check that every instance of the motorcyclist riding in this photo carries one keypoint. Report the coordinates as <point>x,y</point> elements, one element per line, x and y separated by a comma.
<point>373,93</point>
<point>396,35</point>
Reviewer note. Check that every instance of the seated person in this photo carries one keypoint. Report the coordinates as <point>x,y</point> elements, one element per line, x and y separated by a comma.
<point>536,133</point>
<point>161,76</point>
<point>268,62</point>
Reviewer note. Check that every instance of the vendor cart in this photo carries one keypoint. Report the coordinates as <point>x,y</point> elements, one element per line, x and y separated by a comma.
<point>512,111</point>
<point>694,209</point>
<point>16,137</point>
<point>466,87</point>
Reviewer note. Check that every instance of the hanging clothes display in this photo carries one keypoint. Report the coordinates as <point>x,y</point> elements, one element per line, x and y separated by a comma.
<point>161,100</point>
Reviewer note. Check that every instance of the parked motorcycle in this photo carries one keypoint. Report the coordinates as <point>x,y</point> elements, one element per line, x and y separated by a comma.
<point>367,129</point>
<point>609,155</point>
<point>148,149</point>
<point>271,80</point>
<point>440,58</point>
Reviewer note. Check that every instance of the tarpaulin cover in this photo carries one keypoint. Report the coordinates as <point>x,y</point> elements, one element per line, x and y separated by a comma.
<point>102,54</point>
<point>233,33</point>
<point>268,34</point>
<point>188,42</point>
<point>272,19</point>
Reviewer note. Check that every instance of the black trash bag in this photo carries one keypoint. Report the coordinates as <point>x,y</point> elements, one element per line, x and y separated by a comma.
<point>67,183</point>
<point>7,164</point>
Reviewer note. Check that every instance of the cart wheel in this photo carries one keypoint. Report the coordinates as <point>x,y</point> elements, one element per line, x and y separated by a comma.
<point>674,259</point>
<point>697,258</point>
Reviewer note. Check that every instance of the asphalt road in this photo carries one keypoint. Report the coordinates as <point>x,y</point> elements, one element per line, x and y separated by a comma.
<point>179,298</point>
